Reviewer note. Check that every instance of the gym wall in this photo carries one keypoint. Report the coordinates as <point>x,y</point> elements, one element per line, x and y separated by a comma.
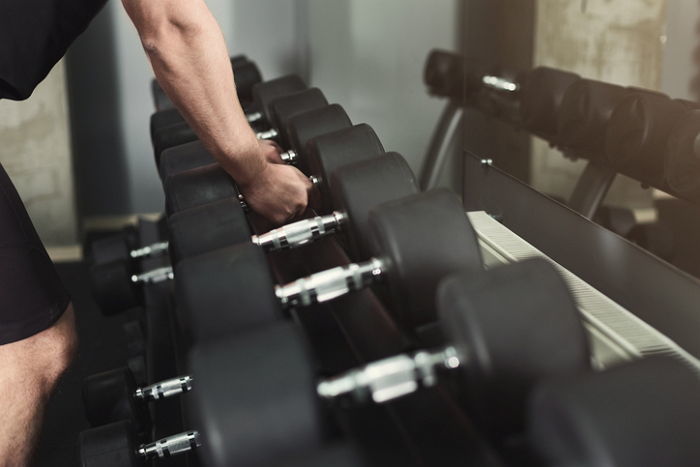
<point>35,152</point>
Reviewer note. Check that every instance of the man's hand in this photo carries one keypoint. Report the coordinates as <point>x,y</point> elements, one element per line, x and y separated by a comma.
<point>271,151</point>
<point>279,193</point>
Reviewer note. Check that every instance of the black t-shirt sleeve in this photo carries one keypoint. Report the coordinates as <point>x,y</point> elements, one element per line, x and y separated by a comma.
<point>34,35</point>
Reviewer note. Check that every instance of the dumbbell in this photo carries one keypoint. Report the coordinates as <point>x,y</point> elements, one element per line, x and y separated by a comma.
<point>167,131</point>
<point>506,329</point>
<point>584,115</point>
<point>415,242</point>
<point>638,133</point>
<point>374,179</point>
<point>299,129</point>
<point>444,74</point>
<point>682,164</point>
<point>113,395</point>
<point>115,445</point>
<point>123,246</point>
<point>645,412</point>
<point>117,286</point>
<point>202,185</point>
<point>247,75</point>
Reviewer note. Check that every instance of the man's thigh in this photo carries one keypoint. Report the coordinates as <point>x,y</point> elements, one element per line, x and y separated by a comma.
<point>32,297</point>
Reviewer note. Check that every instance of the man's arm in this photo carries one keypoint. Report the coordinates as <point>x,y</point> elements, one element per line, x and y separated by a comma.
<point>189,57</point>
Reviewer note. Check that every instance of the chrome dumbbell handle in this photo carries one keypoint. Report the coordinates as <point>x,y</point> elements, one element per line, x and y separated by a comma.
<point>254,117</point>
<point>149,250</point>
<point>170,446</point>
<point>164,389</point>
<point>154,277</point>
<point>390,378</point>
<point>299,233</point>
<point>268,134</point>
<point>330,284</point>
<point>499,84</point>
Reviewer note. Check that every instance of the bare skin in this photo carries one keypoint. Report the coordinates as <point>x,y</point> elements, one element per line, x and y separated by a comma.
<point>189,57</point>
<point>30,370</point>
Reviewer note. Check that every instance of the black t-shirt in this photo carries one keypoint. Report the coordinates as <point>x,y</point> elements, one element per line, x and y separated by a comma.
<point>34,35</point>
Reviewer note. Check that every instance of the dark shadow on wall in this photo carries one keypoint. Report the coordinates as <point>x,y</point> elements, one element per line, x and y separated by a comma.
<point>98,155</point>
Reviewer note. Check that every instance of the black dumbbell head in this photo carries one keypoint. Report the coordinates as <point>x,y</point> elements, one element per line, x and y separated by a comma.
<point>284,108</point>
<point>110,445</point>
<point>246,75</point>
<point>304,127</point>
<point>226,292</point>
<point>682,168</point>
<point>197,187</point>
<point>206,228</point>
<point>638,133</point>
<point>112,287</point>
<point>360,187</point>
<point>584,114</point>
<point>266,92</point>
<point>171,136</point>
<point>516,324</point>
<point>109,397</point>
<point>641,413</point>
<point>184,157</point>
<point>541,93</point>
<point>331,151</point>
<point>255,402</point>
<point>444,74</point>
<point>115,247</point>
<point>422,238</point>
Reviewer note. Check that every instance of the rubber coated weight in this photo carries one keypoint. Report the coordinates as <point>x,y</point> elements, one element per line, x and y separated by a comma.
<point>112,288</point>
<point>115,247</point>
<point>246,76</point>
<point>422,239</point>
<point>284,108</point>
<point>171,136</point>
<point>360,187</point>
<point>207,228</point>
<point>642,413</point>
<point>109,397</point>
<point>517,324</point>
<point>267,92</point>
<point>226,291</point>
<point>541,94</point>
<point>638,134</point>
<point>109,446</point>
<point>184,157</point>
<point>584,115</point>
<point>682,165</point>
<point>196,187</point>
<point>304,127</point>
<point>444,74</point>
<point>328,152</point>
<point>265,410</point>
<point>223,223</point>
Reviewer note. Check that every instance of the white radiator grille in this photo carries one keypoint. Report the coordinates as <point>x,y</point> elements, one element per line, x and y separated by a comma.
<point>616,334</point>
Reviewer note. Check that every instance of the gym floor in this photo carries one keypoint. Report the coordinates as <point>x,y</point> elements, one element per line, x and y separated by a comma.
<point>102,347</point>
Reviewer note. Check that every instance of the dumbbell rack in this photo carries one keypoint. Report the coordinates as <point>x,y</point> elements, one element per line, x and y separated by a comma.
<point>655,291</point>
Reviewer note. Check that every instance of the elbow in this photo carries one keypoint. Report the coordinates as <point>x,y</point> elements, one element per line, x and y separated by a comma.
<point>167,33</point>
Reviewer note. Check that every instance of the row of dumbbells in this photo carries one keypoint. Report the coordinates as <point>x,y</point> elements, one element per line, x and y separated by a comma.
<point>424,249</point>
<point>637,132</point>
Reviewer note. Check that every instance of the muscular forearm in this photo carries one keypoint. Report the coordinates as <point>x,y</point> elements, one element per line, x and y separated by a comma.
<point>189,57</point>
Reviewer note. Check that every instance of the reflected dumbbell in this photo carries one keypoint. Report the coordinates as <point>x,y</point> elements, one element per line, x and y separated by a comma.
<point>642,413</point>
<point>638,134</point>
<point>497,347</point>
<point>415,242</point>
<point>202,185</point>
<point>167,132</point>
<point>113,395</point>
<point>682,162</point>
<point>114,445</point>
